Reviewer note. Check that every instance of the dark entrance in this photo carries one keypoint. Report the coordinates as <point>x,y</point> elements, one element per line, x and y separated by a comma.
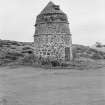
<point>67,53</point>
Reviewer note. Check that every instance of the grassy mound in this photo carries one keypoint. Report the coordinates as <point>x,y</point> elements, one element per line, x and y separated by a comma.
<point>13,52</point>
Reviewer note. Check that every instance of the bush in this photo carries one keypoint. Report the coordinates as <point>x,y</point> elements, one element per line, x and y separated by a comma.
<point>97,56</point>
<point>44,61</point>
<point>64,64</point>
<point>55,63</point>
<point>29,59</point>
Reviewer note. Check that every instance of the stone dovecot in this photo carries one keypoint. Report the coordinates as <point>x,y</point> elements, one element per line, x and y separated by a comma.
<point>52,36</point>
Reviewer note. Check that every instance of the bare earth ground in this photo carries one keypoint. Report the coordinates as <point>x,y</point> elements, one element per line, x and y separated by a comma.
<point>35,86</point>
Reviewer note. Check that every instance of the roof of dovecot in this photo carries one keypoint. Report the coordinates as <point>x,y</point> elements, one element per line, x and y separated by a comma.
<point>51,8</point>
<point>51,13</point>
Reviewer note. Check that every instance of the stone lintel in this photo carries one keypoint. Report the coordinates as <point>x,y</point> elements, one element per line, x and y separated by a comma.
<point>53,34</point>
<point>50,22</point>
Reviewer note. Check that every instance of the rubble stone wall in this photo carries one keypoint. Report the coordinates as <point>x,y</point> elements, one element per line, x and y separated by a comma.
<point>52,28</point>
<point>52,45</point>
<point>52,34</point>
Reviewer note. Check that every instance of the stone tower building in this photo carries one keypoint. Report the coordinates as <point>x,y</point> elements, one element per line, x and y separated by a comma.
<point>52,36</point>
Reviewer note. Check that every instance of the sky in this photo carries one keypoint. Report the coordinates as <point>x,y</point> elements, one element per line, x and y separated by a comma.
<point>86,18</point>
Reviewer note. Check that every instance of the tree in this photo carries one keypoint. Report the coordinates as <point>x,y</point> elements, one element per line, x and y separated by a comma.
<point>98,44</point>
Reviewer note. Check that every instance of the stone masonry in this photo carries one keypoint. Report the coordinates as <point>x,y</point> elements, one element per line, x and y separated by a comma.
<point>52,36</point>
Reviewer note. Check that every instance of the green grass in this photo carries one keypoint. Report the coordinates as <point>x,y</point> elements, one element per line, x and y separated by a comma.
<point>35,86</point>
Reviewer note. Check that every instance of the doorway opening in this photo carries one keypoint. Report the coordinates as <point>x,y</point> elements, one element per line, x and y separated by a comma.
<point>67,54</point>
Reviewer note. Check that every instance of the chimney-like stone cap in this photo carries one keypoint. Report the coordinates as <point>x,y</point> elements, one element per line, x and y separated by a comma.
<point>51,13</point>
<point>51,8</point>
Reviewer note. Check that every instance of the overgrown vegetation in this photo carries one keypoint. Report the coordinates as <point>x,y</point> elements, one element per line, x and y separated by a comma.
<point>12,52</point>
